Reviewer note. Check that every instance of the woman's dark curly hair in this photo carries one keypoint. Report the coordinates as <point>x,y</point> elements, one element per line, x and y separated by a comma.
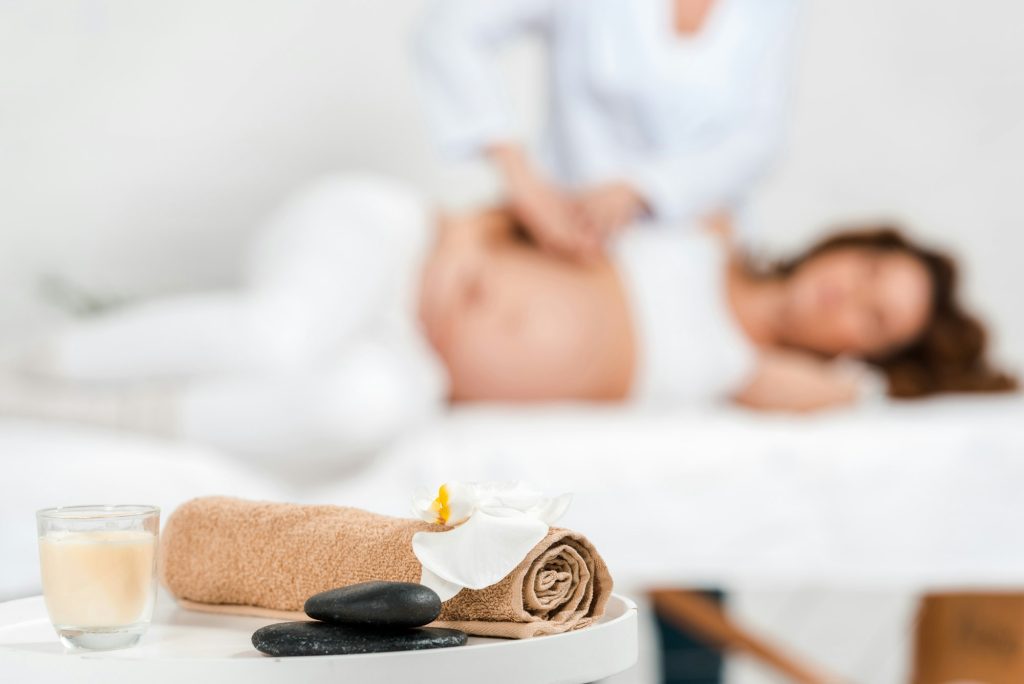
<point>950,353</point>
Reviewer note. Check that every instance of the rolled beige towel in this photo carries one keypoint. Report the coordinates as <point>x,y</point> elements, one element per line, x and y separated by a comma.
<point>229,555</point>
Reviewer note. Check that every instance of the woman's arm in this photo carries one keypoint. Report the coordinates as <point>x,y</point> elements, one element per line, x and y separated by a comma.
<point>792,381</point>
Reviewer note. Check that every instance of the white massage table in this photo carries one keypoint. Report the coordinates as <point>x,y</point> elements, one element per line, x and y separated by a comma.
<point>892,498</point>
<point>924,494</point>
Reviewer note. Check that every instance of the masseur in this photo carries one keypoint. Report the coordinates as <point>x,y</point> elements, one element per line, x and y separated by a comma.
<point>365,313</point>
<point>664,107</point>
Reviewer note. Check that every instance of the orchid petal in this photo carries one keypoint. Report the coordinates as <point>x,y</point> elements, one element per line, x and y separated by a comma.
<point>421,505</point>
<point>442,587</point>
<point>550,510</point>
<point>453,503</point>
<point>481,551</point>
<point>516,495</point>
<point>462,499</point>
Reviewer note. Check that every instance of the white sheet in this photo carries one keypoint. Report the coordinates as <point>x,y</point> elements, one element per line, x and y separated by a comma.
<point>908,496</point>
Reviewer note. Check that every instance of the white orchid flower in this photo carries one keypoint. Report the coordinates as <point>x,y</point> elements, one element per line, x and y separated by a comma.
<point>495,526</point>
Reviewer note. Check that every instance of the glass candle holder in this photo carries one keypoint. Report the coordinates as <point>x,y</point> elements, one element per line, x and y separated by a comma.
<point>98,567</point>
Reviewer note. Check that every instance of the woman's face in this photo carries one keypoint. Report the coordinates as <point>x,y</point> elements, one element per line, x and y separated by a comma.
<point>856,300</point>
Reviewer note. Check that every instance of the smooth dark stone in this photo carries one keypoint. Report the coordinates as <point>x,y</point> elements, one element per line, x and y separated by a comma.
<point>321,638</point>
<point>378,604</point>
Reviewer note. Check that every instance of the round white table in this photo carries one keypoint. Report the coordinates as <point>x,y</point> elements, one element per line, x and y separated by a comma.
<point>184,646</point>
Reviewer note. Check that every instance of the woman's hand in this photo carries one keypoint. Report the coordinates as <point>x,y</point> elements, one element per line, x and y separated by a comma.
<point>606,209</point>
<point>549,215</point>
<point>794,381</point>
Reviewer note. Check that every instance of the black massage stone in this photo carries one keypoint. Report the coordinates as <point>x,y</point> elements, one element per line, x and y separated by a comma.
<point>321,638</point>
<point>376,604</point>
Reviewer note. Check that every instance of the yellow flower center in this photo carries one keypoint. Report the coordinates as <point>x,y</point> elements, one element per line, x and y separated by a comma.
<point>440,506</point>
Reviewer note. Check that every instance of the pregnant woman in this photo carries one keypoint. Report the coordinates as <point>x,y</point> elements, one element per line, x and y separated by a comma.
<point>365,313</point>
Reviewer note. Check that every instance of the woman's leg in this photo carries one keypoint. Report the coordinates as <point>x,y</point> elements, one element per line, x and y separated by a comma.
<point>175,337</point>
<point>327,262</point>
<point>337,261</point>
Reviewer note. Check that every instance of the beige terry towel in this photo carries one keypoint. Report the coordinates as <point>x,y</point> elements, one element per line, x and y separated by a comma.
<point>228,555</point>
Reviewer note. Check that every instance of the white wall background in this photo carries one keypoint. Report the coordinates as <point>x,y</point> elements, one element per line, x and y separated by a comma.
<point>141,142</point>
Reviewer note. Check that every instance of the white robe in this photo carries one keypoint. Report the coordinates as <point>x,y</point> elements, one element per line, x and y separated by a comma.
<point>690,121</point>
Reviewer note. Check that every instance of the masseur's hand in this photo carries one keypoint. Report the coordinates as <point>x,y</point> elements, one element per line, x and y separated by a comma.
<point>606,209</point>
<point>548,214</point>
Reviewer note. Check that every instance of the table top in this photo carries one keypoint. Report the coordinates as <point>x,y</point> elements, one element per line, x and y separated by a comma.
<point>201,647</point>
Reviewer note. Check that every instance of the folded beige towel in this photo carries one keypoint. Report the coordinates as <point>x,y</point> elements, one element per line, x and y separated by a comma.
<point>228,555</point>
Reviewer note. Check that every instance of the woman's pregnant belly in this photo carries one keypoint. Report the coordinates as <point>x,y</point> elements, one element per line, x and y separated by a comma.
<point>531,327</point>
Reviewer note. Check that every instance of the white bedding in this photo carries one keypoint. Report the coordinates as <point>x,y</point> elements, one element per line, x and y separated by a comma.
<point>909,496</point>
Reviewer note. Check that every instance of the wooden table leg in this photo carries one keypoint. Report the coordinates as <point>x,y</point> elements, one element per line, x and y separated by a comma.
<point>705,620</point>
